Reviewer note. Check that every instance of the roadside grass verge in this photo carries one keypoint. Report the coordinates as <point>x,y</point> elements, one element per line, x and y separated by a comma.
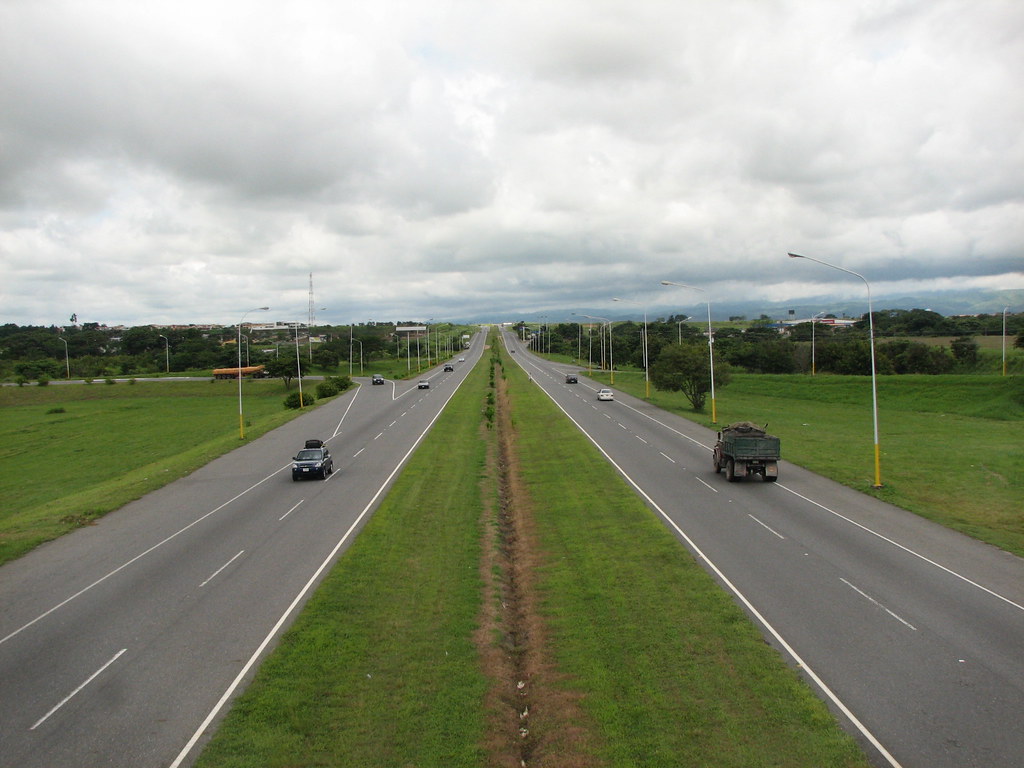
<point>951,447</point>
<point>72,453</point>
<point>669,669</point>
<point>381,668</point>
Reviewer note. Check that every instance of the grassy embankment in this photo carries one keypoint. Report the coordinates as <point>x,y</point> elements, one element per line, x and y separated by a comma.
<point>951,447</point>
<point>71,453</point>
<point>381,667</point>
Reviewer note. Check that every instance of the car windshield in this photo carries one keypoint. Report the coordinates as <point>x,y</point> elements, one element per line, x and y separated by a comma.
<point>309,454</point>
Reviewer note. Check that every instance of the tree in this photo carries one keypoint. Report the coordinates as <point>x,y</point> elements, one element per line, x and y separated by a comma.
<point>282,368</point>
<point>685,368</point>
<point>965,350</point>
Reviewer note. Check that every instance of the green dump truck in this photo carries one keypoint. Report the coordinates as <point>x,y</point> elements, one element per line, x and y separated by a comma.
<point>746,449</point>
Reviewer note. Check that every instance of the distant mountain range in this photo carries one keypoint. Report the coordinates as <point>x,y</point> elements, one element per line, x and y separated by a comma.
<point>946,303</point>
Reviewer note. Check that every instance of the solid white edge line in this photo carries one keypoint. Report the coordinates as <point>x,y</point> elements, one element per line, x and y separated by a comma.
<point>839,515</point>
<point>301,594</point>
<point>741,597</point>
<point>71,695</point>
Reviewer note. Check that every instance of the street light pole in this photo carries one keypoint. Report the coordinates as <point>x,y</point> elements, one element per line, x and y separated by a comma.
<point>238,345</point>
<point>871,338</point>
<point>611,356</point>
<point>647,370</point>
<point>711,346</point>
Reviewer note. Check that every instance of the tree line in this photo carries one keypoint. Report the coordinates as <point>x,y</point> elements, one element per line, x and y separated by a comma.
<point>91,350</point>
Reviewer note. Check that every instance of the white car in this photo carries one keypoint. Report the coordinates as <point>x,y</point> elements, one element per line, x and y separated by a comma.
<point>605,394</point>
<point>462,359</point>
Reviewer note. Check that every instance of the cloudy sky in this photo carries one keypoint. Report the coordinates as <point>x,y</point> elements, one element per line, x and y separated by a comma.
<point>185,161</point>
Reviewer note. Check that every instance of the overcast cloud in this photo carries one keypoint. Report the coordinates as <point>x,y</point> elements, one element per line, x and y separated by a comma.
<point>186,161</point>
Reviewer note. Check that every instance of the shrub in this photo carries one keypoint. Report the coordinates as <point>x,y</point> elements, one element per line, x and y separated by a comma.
<point>292,401</point>
<point>326,389</point>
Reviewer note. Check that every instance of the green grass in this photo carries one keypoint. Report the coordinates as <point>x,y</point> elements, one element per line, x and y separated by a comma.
<point>381,670</point>
<point>669,668</point>
<point>72,453</point>
<point>381,667</point>
<point>951,447</point>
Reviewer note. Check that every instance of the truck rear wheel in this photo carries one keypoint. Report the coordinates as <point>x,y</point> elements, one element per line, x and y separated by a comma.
<point>730,471</point>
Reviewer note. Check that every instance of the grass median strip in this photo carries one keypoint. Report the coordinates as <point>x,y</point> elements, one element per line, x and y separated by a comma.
<point>522,607</point>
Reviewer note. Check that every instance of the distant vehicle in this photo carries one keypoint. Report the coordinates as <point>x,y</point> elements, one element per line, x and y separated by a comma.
<point>746,449</point>
<point>605,394</point>
<point>312,462</point>
<point>449,367</point>
<point>255,371</point>
<point>377,379</point>
<point>570,378</point>
<point>462,359</point>
<point>423,385</point>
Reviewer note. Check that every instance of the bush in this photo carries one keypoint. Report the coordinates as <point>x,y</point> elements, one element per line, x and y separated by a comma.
<point>326,389</point>
<point>292,401</point>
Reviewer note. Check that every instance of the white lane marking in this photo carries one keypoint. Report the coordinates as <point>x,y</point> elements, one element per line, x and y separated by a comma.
<point>906,549</point>
<point>863,527</point>
<point>71,695</point>
<point>392,424</point>
<point>623,426</point>
<point>869,598</point>
<point>138,557</point>
<point>282,517</point>
<point>378,435</point>
<point>706,485</point>
<point>641,439</point>
<point>667,456</point>
<point>663,424</point>
<point>765,526</point>
<point>358,452</point>
<point>351,402</point>
<point>739,596</point>
<point>229,562</point>
<point>229,692</point>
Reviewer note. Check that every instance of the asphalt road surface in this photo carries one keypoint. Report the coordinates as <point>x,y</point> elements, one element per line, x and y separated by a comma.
<point>913,634</point>
<point>122,643</point>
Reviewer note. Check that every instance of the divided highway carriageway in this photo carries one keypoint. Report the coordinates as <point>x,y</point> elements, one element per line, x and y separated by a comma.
<point>912,633</point>
<point>123,642</point>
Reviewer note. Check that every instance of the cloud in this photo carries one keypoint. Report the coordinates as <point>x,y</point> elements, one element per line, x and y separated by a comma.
<point>176,162</point>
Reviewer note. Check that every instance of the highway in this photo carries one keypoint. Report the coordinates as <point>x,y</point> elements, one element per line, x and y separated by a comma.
<point>912,634</point>
<point>122,643</point>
